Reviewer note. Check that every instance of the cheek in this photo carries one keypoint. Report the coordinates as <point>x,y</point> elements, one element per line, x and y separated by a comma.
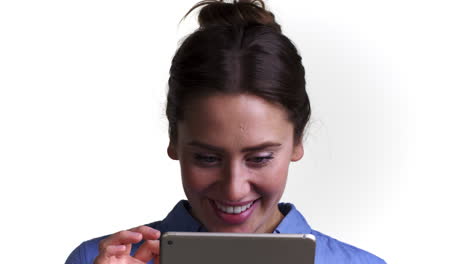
<point>195,180</point>
<point>272,181</point>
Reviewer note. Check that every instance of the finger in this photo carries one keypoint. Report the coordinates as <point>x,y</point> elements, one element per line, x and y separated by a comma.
<point>117,259</point>
<point>121,238</point>
<point>110,253</point>
<point>147,251</point>
<point>147,232</point>
<point>114,250</point>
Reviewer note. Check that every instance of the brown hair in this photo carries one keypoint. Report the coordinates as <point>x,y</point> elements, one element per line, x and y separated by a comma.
<point>238,48</point>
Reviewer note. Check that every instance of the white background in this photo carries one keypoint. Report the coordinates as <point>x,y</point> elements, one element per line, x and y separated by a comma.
<point>83,133</point>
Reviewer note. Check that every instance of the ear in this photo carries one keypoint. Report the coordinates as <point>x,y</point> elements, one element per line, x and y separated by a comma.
<point>298,152</point>
<point>172,151</point>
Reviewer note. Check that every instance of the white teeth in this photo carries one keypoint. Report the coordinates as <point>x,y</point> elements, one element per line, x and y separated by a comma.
<point>233,209</point>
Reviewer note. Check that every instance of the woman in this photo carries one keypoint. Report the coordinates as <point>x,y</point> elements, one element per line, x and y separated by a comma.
<point>237,108</point>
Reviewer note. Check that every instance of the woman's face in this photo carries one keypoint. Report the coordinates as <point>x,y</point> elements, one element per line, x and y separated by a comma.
<point>234,153</point>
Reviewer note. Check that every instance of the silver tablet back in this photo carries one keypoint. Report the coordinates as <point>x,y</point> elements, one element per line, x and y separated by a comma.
<point>236,248</point>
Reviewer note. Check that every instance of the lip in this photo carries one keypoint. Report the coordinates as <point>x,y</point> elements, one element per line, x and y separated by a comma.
<point>234,219</point>
<point>235,204</point>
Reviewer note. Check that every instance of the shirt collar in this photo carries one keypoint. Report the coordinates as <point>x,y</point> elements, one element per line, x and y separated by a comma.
<point>293,221</point>
<point>180,219</point>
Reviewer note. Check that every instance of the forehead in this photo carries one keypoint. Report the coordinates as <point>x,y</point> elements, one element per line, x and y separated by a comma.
<point>234,120</point>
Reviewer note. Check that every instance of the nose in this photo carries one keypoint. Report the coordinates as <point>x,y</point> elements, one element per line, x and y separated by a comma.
<point>235,183</point>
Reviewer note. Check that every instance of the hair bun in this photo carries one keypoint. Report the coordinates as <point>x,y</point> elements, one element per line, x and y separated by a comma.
<point>242,12</point>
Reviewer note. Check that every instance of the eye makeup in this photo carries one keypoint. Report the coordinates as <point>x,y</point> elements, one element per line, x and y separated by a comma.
<point>206,160</point>
<point>260,160</point>
<point>209,160</point>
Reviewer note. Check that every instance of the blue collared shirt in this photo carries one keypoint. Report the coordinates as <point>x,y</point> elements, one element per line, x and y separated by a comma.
<point>328,250</point>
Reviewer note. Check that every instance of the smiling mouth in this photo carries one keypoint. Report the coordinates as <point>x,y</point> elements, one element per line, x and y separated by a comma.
<point>234,213</point>
<point>233,209</point>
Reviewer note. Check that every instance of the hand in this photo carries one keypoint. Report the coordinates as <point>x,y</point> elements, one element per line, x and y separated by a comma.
<point>116,248</point>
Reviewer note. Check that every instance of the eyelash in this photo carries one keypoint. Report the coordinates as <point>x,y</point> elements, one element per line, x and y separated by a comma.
<point>207,160</point>
<point>262,159</point>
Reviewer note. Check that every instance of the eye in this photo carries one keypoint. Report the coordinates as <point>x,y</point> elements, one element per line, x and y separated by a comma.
<point>206,160</point>
<point>260,161</point>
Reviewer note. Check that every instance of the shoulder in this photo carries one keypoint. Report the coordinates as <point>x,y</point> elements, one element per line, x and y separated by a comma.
<point>331,250</point>
<point>87,251</point>
<point>328,249</point>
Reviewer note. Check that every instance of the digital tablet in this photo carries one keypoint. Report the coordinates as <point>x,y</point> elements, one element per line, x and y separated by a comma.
<point>236,248</point>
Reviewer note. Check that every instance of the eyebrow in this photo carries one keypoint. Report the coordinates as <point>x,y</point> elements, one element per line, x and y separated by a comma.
<point>264,145</point>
